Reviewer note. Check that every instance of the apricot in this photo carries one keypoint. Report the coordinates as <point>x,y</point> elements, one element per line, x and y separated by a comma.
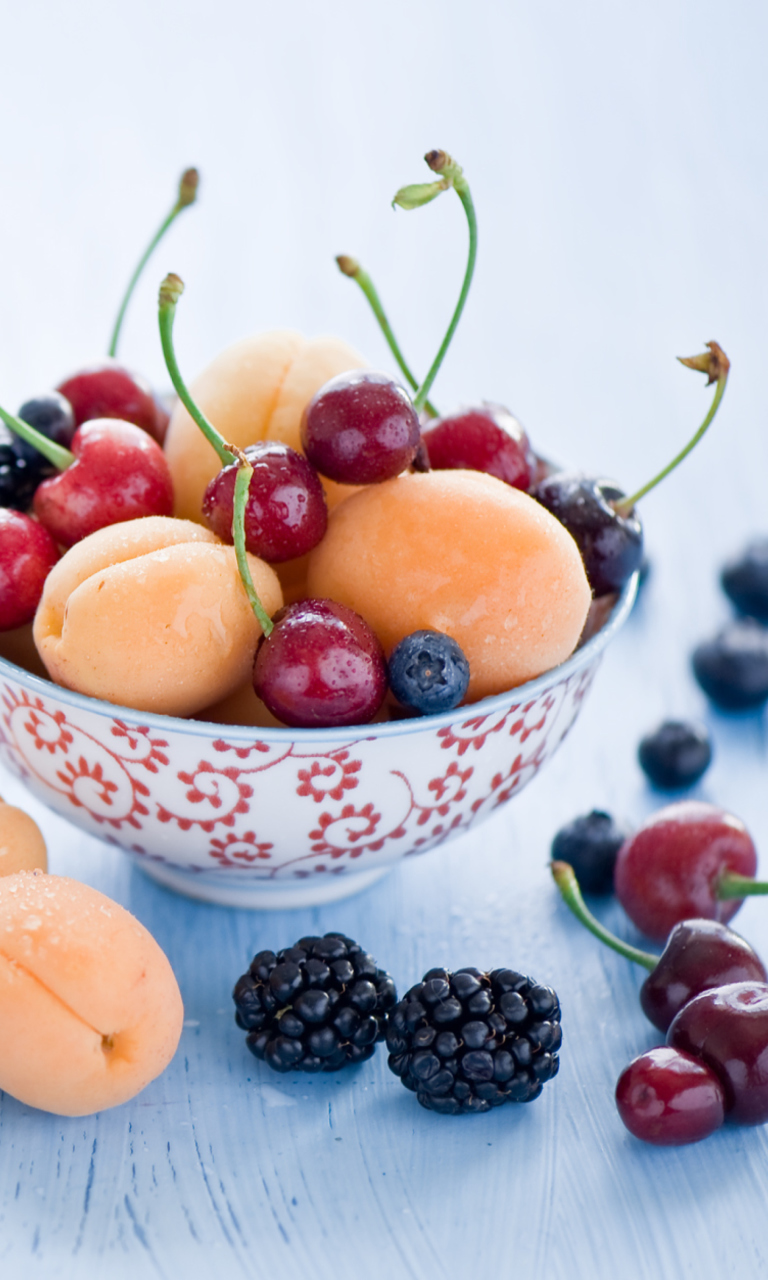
<point>253,390</point>
<point>464,553</point>
<point>22,847</point>
<point>152,614</point>
<point>89,1006</point>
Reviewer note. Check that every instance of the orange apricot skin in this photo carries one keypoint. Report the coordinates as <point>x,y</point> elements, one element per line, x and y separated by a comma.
<point>22,847</point>
<point>464,553</point>
<point>90,1009</point>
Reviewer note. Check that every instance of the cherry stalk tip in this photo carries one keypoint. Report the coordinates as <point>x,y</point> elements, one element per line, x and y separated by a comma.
<point>171,290</point>
<point>190,181</point>
<point>348,266</point>
<point>714,362</point>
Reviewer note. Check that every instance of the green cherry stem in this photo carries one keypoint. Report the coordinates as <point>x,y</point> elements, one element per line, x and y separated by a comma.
<point>170,291</point>
<point>55,453</point>
<point>731,885</point>
<point>451,175</point>
<point>188,185</point>
<point>351,267</point>
<point>565,879</point>
<point>715,363</point>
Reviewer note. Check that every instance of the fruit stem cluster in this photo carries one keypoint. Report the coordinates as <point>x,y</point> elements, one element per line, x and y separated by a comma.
<point>170,291</point>
<point>56,454</point>
<point>565,879</point>
<point>187,195</point>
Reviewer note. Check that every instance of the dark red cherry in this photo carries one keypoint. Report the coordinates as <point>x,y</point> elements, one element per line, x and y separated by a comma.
<point>670,1098</point>
<point>360,428</point>
<point>27,554</point>
<point>728,1029</point>
<point>109,390</point>
<point>670,868</point>
<point>321,666</point>
<point>119,473</point>
<point>285,513</point>
<point>487,439</point>
<point>611,545</point>
<point>699,955</point>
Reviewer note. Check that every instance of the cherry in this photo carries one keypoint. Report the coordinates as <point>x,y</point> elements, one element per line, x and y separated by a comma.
<point>27,554</point>
<point>611,544</point>
<point>728,1029</point>
<point>109,390</point>
<point>50,413</point>
<point>699,955</point>
<point>670,1098</point>
<point>18,480</point>
<point>285,513</point>
<point>321,666</point>
<point>118,473</point>
<point>482,439</point>
<point>676,864</point>
<point>360,428</point>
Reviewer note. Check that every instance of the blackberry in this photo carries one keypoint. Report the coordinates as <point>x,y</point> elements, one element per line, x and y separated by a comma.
<point>590,844</point>
<point>675,755</point>
<point>317,1006</point>
<point>428,672</point>
<point>468,1041</point>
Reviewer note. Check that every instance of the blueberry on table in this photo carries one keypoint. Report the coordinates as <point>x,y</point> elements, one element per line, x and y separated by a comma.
<point>732,669</point>
<point>590,844</point>
<point>429,672</point>
<point>745,580</point>
<point>675,755</point>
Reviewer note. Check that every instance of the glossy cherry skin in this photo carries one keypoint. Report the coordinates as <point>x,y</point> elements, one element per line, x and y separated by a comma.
<point>670,1098</point>
<point>668,869</point>
<point>728,1029</point>
<point>109,390</point>
<point>321,666</point>
<point>285,512</point>
<point>699,955</point>
<point>487,439</point>
<point>27,554</point>
<point>611,545</point>
<point>119,473</point>
<point>360,428</point>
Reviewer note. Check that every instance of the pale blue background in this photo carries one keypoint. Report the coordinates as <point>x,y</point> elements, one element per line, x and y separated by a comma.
<point>617,154</point>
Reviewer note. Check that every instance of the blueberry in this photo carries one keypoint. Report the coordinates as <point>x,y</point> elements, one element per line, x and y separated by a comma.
<point>611,545</point>
<point>745,580</point>
<point>732,669</point>
<point>676,754</point>
<point>50,414</point>
<point>429,672</point>
<point>590,843</point>
<point>17,481</point>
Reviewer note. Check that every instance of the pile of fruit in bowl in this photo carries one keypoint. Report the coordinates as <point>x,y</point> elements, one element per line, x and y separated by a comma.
<point>321,627</point>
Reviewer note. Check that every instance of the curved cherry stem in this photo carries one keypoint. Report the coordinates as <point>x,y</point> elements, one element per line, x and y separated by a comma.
<point>731,885</point>
<point>188,185</point>
<point>56,454</point>
<point>451,175</point>
<point>716,365</point>
<point>564,877</point>
<point>170,291</point>
<point>351,267</point>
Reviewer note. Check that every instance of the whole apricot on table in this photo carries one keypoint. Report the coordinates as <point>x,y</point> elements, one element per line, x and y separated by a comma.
<point>464,553</point>
<point>22,847</point>
<point>89,1005</point>
<point>152,614</point>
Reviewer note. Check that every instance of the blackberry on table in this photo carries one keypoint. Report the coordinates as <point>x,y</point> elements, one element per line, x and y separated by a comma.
<point>317,1006</point>
<point>468,1041</point>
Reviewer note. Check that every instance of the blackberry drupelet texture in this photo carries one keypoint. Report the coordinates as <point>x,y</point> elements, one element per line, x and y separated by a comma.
<point>317,1006</point>
<point>468,1041</point>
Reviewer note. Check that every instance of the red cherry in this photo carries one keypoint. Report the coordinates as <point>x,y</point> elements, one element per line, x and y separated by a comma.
<point>728,1029</point>
<point>669,869</point>
<point>109,390</point>
<point>360,428</point>
<point>27,554</point>
<point>699,955</point>
<point>119,473</point>
<point>669,1098</point>
<point>485,439</point>
<point>321,666</point>
<point>285,512</point>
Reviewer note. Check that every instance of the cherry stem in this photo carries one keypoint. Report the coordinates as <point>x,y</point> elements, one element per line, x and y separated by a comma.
<point>188,184</point>
<point>451,175</point>
<point>55,453</point>
<point>170,291</point>
<point>716,365</point>
<point>564,877</point>
<point>351,267</point>
<point>731,885</point>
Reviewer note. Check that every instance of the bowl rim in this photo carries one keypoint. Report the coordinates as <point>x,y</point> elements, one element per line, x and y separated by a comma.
<point>527,692</point>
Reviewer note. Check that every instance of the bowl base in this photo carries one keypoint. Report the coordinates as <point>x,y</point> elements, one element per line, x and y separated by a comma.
<point>267,895</point>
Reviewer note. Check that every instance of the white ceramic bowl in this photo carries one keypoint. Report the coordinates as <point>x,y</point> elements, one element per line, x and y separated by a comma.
<point>284,817</point>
